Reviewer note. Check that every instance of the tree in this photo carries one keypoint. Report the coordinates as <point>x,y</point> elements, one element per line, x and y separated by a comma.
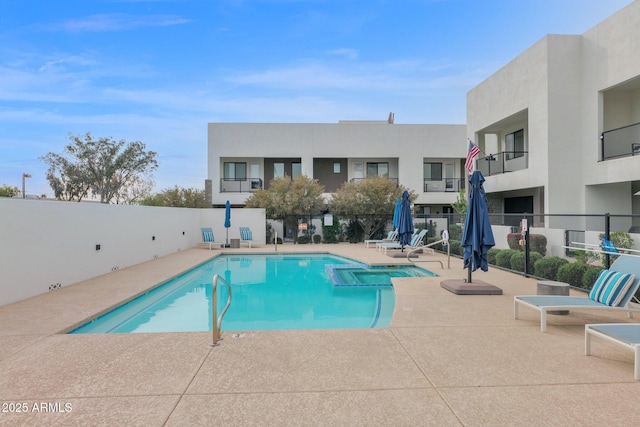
<point>461,203</point>
<point>113,171</point>
<point>9,191</point>
<point>371,200</point>
<point>286,197</point>
<point>177,197</point>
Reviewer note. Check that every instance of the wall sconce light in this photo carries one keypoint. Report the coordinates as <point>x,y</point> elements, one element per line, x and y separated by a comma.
<point>153,237</point>
<point>97,247</point>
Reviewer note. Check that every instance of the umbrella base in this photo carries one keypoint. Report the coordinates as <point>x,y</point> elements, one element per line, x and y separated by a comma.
<point>477,287</point>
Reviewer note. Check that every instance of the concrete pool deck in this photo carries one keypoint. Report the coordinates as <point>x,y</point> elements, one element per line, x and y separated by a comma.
<point>459,360</point>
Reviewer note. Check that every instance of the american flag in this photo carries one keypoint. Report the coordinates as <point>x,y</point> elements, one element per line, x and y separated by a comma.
<point>471,154</point>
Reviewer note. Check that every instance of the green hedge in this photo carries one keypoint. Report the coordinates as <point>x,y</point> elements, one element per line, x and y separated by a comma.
<point>491,255</point>
<point>456,247</point>
<point>517,261</point>
<point>548,267</point>
<point>572,273</point>
<point>589,277</point>
<point>455,232</point>
<point>503,258</point>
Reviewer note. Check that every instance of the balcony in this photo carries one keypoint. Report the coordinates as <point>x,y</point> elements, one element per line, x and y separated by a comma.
<point>362,179</point>
<point>508,161</point>
<point>240,185</point>
<point>446,185</point>
<point>620,142</point>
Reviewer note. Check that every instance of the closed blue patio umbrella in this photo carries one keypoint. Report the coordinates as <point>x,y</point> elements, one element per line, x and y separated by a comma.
<point>477,237</point>
<point>227,220</point>
<point>405,222</point>
<point>396,214</point>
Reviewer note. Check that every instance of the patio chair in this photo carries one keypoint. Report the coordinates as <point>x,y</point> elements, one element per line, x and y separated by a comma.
<point>391,237</point>
<point>613,290</point>
<point>416,242</point>
<point>246,235</point>
<point>207,237</point>
<point>624,334</point>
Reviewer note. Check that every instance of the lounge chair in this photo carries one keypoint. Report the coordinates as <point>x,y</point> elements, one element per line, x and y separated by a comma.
<point>207,237</point>
<point>391,237</point>
<point>610,292</point>
<point>416,242</point>
<point>624,334</point>
<point>246,235</point>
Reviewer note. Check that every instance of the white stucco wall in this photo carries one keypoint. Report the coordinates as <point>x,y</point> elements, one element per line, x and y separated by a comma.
<point>407,144</point>
<point>45,243</point>
<point>559,83</point>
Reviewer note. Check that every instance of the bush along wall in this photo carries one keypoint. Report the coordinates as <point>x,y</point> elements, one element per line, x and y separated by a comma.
<point>517,261</point>
<point>537,242</point>
<point>503,258</point>
<point>572,273</point>
<point>548,267</point>
<point>589,277</point>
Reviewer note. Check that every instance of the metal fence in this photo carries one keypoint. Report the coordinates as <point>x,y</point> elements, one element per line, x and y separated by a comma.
<point>563,235</point>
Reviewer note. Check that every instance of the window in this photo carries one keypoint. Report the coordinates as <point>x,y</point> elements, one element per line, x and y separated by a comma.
<point>378,169</point>
<point>336,167</point>
<point>432,171</point>
<point>514,143</point>
<point>296,170</point>
<point>235,171</point>
<point>278,170</point>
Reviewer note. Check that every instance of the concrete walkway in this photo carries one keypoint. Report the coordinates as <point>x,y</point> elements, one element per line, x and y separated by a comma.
<point>445,360</point>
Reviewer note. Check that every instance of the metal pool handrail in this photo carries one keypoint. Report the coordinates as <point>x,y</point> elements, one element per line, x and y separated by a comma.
<point>445,241</point>
<point>217,321</point>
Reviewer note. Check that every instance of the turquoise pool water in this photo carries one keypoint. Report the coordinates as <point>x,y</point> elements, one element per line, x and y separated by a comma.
<point>270,292</point>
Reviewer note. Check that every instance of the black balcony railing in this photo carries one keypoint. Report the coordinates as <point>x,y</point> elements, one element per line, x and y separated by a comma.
<point>508,161</point>
<point>620,142</point>
<point>445,185</point>
<point>362,179</point>
<point>240,185</point>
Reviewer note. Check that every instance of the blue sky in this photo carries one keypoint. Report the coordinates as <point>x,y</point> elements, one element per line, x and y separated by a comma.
<point>158,71</point>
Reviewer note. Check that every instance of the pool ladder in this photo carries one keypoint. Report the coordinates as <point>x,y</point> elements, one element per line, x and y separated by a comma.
<point>432,260</point>
<point>217,320</point>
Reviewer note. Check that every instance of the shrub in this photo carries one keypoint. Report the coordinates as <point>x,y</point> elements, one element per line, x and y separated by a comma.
<point>572,273</point>
<point>354,232</point>
<point>517,261</point>
<point>332,233</point>
<point>455,232</point>
<point>538,243</point>
<point>317,238</point>
<point>503,258</point>
<point>548,267</point>
<point>456,247</point>
<point>491,255</point>
<point>621,239</point>
<point>589,277</point>
<point>303,240</point>
<point>513,240</point>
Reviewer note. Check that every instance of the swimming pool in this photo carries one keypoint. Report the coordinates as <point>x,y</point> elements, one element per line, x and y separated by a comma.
<point>270,292</point>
